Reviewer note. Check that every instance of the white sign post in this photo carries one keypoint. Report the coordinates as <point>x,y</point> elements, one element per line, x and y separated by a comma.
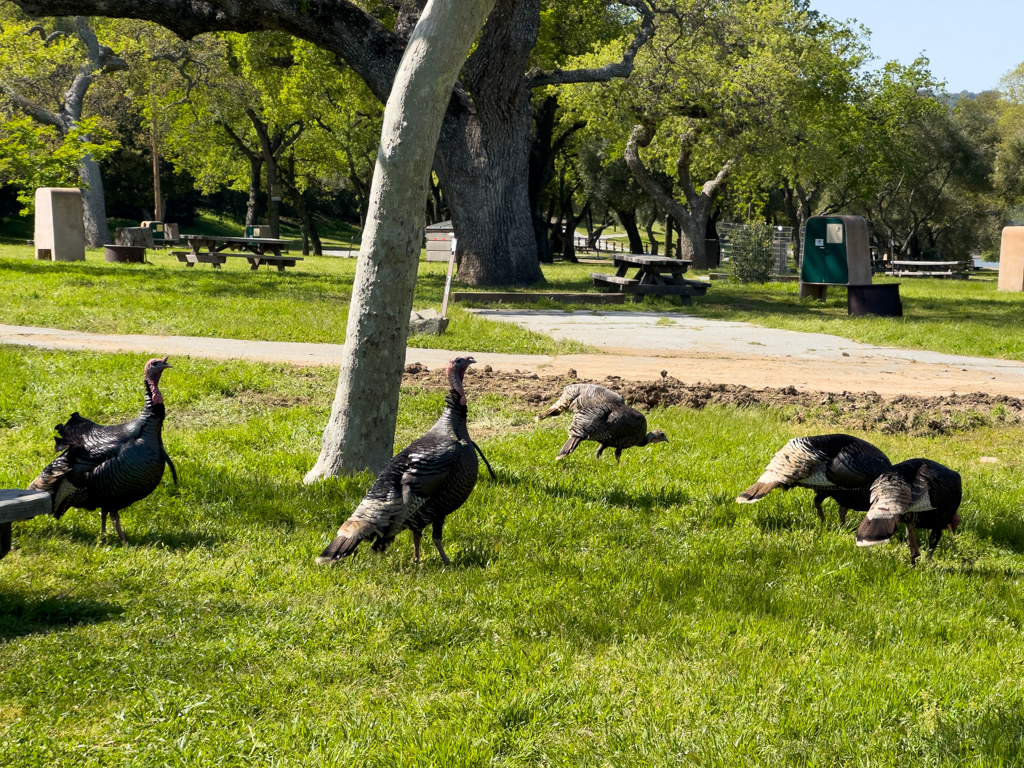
<point>448,282</point>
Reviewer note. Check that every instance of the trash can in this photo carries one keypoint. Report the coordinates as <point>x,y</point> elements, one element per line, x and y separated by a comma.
<point>882,300</point>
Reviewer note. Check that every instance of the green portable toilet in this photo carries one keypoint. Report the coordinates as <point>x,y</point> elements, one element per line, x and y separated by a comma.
<point>157,229</point>
<point>835,252</point>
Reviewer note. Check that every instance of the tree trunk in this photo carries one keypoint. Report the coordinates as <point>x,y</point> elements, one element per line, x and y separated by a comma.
<point>483,153</point>
<point>670,226</point>
<point>650,234</point>
<point>361,430</point>
<point>541,173</point>
<point>691,241</point>
<point>255,177</point>
<point>628,221</point>
<point>94,204</point>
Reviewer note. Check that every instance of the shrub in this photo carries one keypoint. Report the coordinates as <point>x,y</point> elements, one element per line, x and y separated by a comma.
<point>751,253</point>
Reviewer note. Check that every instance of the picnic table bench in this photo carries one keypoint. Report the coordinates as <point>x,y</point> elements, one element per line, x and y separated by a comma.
<point>255,250</point>
<point>655,275</point>
<point>957,270</point>
<point>19,505</point>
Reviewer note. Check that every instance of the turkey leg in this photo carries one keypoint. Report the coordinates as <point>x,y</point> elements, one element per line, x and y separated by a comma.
<point>417,536</point>
<point>103,525</point>
<point>436,531</point>
<point>116,517</point>
<point>912,541</point>
<point>818,498</point>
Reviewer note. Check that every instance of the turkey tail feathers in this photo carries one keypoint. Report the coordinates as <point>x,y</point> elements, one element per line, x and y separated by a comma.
<point>876,530</point>
<point>756,492</point>
<point>570,445</point>
<point>345,543</point>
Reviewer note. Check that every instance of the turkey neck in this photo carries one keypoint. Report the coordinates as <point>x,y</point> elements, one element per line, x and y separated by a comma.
<point>154,401</point>
<point>453,417</point>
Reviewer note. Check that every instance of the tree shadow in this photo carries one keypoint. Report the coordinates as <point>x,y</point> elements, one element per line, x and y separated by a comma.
<point>21,616</point>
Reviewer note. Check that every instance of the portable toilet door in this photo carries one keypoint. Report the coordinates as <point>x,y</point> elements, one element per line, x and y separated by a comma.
<point>836,251</point>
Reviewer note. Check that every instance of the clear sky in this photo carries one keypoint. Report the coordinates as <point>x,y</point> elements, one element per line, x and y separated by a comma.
<point>970,44</point>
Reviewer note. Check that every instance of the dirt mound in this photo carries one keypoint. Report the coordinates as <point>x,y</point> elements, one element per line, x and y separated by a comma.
<point>862,410</point>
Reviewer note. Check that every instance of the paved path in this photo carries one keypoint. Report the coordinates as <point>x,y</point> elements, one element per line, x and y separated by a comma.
<point>691,349</point>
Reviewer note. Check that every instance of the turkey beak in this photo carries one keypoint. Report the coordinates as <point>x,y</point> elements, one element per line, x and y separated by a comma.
<point>166,364</point>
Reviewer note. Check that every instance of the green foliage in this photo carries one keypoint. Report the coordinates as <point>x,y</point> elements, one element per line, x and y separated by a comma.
<point>595,614</point>
<point>750,253</point>
<point>34,155</point>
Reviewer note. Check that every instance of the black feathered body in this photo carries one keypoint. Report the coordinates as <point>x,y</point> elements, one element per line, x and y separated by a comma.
<point>105,467</point>
<point>836,466</point>
<point>421,485</point>
<point>601,416</point>
<point>919,493</point>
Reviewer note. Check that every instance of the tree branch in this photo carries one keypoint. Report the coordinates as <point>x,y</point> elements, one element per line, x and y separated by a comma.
<point>536,78</point>
<point>642,136</point>
<point>44,116</point>
<point>339,26</point>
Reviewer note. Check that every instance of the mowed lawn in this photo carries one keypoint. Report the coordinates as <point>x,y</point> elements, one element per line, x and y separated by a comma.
<point>308,303</point>
<point>594,614</point>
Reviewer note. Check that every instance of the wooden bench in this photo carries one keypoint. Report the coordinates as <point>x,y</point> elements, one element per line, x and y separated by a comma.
<point>19,505</point>
<point>190,259</point>
<point>256,260</point>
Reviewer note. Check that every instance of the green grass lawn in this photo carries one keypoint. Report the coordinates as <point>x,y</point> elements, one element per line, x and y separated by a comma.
<point>594,614</point>
<point>309,303</point>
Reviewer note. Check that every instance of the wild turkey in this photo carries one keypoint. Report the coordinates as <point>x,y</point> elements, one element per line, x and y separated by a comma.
<point>834,466</point>
<point>919,493</point>
<point>110,467</point>
<point>602,416</point>
<point>421,485</point>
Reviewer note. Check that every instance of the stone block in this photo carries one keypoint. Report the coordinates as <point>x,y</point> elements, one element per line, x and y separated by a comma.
<point>426,321</point>
<point>1011,259</point>
<point>137,236</point>
<point>60,224</point>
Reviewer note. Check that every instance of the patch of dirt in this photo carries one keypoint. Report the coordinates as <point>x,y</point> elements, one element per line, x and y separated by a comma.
<point>902,414</point>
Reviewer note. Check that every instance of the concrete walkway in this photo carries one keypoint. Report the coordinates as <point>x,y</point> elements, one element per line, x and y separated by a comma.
<point>688,348</point>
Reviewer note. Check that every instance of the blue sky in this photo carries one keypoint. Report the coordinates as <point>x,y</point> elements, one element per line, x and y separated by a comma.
<point>970,44</point>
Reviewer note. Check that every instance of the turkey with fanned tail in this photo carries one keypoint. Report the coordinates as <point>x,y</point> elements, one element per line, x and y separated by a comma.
<point>419,486</point>
<point>841,467</point>
<point>919,493</point>
<point>110,467</point>
<point>602,416</point>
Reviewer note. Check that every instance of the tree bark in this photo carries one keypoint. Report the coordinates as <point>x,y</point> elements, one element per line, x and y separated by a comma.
<point>255,177</point>
<point>628,221</point>
<point>693,217</point>
<point>360,433</point>
<point>93,204</point>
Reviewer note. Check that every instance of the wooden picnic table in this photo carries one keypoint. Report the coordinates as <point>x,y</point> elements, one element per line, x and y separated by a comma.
<point>256,250</point>
<point>954,269</point>
<point>655,275</point>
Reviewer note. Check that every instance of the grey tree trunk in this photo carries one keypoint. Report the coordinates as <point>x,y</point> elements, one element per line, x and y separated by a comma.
<point>94,204</point>
<point>360,433</point>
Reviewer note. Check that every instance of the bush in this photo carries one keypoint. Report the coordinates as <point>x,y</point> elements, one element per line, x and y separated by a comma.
<point>750,251</point>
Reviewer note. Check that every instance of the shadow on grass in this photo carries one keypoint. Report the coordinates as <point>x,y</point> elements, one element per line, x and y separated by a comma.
<point>20,615</point>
